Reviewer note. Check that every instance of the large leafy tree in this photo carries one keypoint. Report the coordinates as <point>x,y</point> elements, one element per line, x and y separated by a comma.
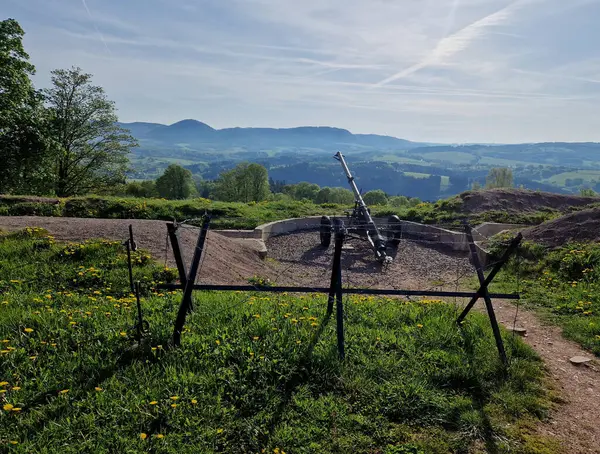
<point>91,149</point>
<point>24,143</point>
<point>175,183</point>
<point>499,177</point>
<point>244,183</point>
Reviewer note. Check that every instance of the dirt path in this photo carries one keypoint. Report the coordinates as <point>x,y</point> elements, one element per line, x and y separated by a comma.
<point>576,421</point>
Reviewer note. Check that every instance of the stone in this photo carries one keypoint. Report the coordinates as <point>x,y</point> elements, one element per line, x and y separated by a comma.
<point>520,331</point>
<point>577,360</point>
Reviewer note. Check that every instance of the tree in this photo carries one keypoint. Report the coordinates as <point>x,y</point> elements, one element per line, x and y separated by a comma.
<point>146,189</point>
<point>499,177</point>
<point>375,197</point>
<point>587,192</point>
<point>342,196</point>
<point>244,183</point>
<point>304,190</point>
<point>91,151</point>
<point>175,183</point>
<point>398,201</point>
<point>24,143</point>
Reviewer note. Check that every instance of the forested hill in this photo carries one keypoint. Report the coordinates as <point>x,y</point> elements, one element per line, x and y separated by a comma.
<point>193,132</point>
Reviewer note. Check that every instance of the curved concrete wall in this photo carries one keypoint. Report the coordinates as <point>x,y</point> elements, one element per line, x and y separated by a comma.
<point>428,234</point>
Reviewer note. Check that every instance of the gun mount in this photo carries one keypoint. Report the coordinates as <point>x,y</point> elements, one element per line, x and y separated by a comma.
<point>361,222</point>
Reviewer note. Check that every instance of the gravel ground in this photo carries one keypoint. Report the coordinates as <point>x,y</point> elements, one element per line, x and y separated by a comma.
<point>302,261</point>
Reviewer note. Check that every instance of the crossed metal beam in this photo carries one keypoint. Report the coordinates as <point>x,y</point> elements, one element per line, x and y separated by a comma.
<point>335,290</point>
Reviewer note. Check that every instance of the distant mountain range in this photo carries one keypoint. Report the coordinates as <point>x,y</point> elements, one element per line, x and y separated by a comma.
<point>195,133</point>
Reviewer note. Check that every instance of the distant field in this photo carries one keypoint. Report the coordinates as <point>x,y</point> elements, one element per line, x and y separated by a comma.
<point>586,175</point>
<point>503,162</point>
<point>455,157</point>
<point>400,159</point>
<point>417,175</point>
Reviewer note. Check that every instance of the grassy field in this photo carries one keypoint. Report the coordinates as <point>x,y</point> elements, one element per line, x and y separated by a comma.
<point>455,157</point>
<point>564,285</point>
<point>586,175</point>
<point>255,373</point>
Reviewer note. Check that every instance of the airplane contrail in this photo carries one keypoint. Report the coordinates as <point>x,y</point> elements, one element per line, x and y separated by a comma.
<point>460,40</point>
<point>96,27</point>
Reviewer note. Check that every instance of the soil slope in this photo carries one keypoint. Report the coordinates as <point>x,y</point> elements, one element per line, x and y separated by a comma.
<point>581,226</point>
<point>520,201</point>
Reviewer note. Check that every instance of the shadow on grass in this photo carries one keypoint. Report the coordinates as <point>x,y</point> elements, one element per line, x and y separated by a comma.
<point>300,376</point>
<point>481,397</point>
<point>87,378</point>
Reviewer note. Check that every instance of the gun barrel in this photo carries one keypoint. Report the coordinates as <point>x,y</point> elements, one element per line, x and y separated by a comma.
<point>374,237</point>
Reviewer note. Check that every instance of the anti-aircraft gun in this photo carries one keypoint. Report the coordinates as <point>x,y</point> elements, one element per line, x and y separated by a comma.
<point>361,222</point>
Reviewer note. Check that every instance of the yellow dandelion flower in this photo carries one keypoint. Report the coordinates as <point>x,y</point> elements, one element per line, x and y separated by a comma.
<point>8,407</point>
<point>314,324</point>
<point>13,442</point>
<point>16,388</point>
<point>419,326</point>
<point>294,321</point>
<point>174,397</point>
<point>97,388</point>
<point>255,338</point>
<point>160,436</point>
<point>173,405</point>
<point>3,383</point>
<point>218,342</point>
<point>298,341</point>
<point>17,409</point>
<point>153,402</point>
<point>219,431</point>
<point>2,391</point>
<point>143,436</point>
<point>251,353</point>
<point>28,330</point>
<point>256,315</point>
<point>123,333</point>
<point>64,391</point>
<point>72,323</point>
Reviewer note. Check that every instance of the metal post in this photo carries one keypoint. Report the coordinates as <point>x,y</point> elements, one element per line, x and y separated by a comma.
<point>335,269</point>
<point>133,245</point>
<point>174,238</point>
<point>509,251</point>
<point>189,284</point>
<point>485,294</point>
<point>335,290</point>
<point>131,287</point>
<point>339,310</point>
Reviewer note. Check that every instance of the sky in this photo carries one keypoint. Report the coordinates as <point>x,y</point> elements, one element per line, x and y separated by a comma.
<point>451,71</point>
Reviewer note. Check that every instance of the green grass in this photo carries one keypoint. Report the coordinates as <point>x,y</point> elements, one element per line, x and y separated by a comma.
<point>586,175</point>
<point>236,215</point>
<point>417,174</point>
<point>226,215</point>
<point>563,285</point>
<point>455,157</point>
<point>254,371</point>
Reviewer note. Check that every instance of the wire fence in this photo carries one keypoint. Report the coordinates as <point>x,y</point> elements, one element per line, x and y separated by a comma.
<point>342,284</point>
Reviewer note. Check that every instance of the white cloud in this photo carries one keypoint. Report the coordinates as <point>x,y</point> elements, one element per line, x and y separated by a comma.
<point>426,69</point>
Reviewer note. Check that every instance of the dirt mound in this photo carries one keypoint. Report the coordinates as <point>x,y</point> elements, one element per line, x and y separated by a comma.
<point>226,260</point>
<point>520,201</point>
<point>575,227</point>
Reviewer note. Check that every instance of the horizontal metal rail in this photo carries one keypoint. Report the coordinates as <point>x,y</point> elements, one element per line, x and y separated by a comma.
<point>351,291</point>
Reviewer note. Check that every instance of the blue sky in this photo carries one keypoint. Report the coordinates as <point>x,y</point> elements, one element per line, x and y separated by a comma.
<point>430,70</point>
